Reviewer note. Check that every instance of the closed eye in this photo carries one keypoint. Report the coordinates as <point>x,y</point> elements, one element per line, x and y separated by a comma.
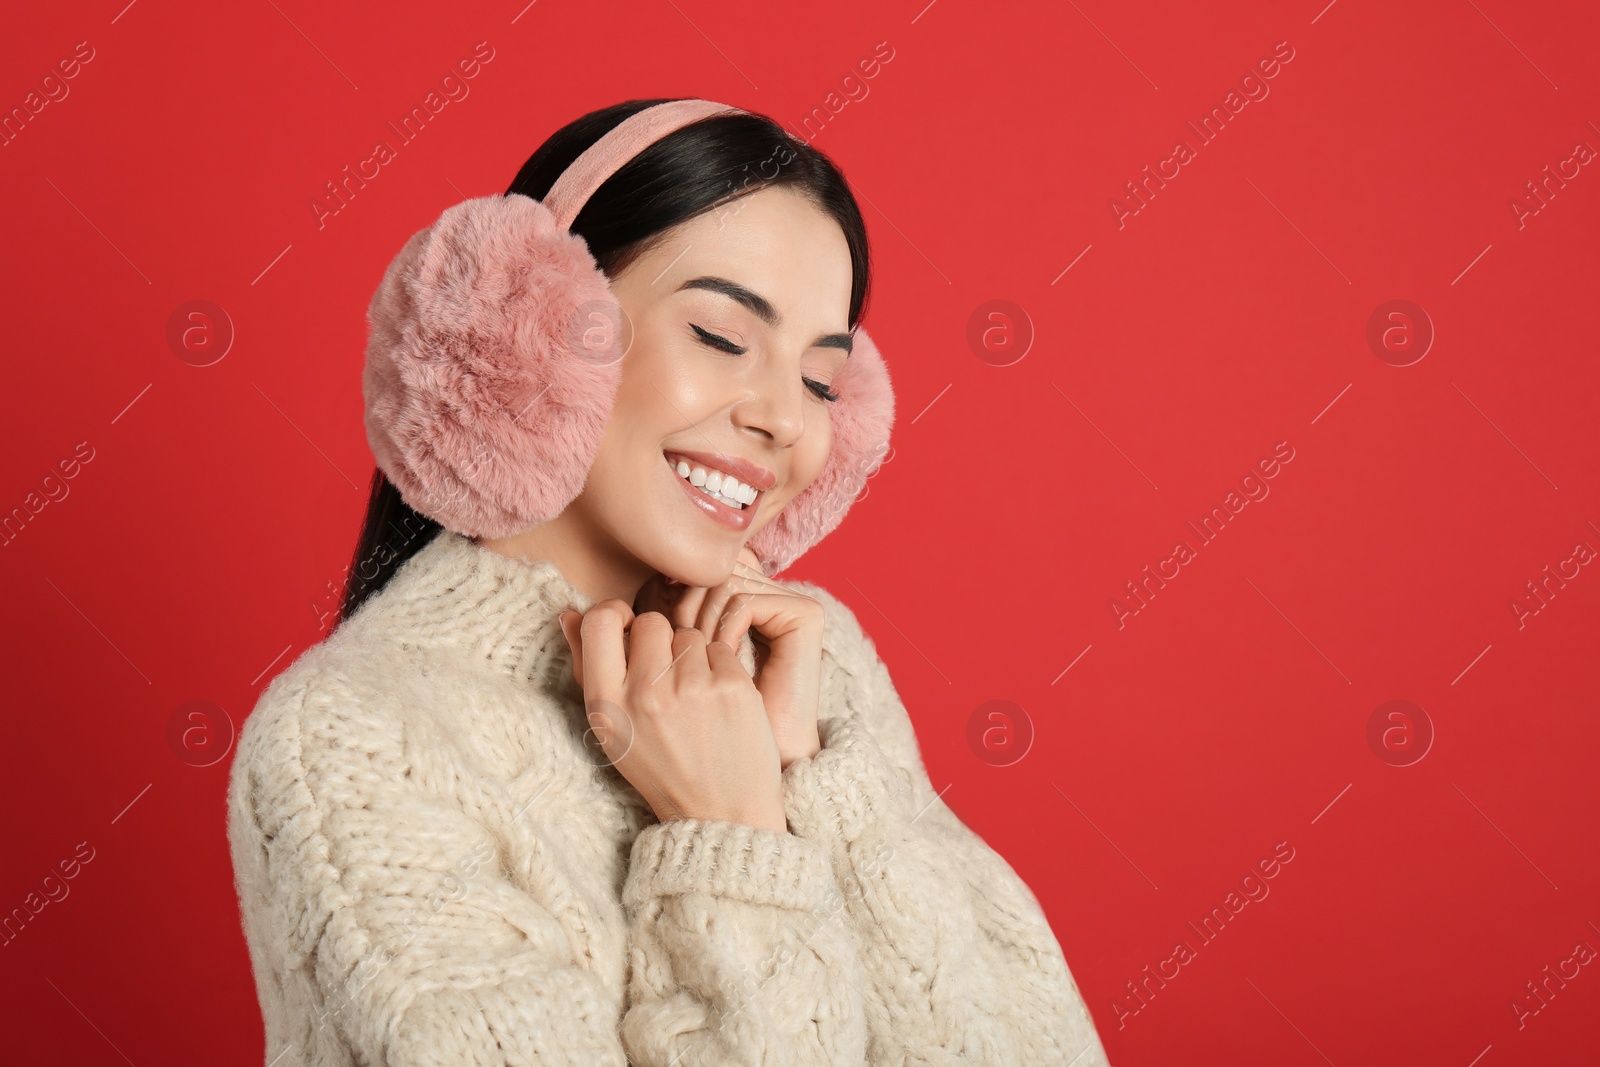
<point>825,391</point>
<point>722,344</point>
<point>718,342</point>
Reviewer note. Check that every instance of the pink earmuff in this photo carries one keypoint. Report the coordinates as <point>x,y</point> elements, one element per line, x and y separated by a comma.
<point>493,360</point>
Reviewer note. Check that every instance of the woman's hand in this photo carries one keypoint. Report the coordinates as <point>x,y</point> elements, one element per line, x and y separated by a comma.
<point>787,638</point>
<point>677,715</point>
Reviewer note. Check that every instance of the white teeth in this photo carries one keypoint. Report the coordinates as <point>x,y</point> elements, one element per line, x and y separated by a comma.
<point>716,484</point>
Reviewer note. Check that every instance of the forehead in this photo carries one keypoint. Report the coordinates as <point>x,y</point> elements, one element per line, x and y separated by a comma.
<point>773,241</point>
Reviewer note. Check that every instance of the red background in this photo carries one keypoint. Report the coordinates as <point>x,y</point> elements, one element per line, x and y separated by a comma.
<point>193,553</point>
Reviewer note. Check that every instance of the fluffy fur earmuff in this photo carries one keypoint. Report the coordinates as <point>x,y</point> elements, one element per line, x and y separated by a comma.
<point>492,366</point>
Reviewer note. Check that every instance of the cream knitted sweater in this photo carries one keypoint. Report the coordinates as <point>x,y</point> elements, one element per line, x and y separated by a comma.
<point>435,870</point>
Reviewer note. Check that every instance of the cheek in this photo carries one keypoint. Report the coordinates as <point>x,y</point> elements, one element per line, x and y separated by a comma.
<point>649,399</point>
<point>632,438</point>
<point>665,387</point>
<point>811,454</point>
<point>823,446</point>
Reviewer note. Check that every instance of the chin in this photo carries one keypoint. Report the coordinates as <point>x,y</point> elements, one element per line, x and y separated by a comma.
<point>687,556</point>
<point>700,555</point>
<point>699,569</point>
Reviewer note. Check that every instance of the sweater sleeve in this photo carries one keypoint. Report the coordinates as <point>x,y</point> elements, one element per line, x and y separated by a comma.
<point>740,954</point>
<point>422,949</point>
<point>960,961</point>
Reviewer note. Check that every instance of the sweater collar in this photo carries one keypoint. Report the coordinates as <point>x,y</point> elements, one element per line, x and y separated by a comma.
<point>501,611</point>
<point>498,611</point>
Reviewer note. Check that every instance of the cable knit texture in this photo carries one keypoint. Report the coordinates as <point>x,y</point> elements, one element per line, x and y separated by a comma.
<point>437,867</point>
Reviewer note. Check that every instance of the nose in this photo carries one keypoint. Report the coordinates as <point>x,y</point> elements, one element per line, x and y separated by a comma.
<point>773,405</point>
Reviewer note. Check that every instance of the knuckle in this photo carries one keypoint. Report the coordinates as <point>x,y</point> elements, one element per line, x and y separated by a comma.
<point>695,690</point>
<point>604,614</point>
<point>649,703</point>
<point>651,621</point>
<point>729,685</point>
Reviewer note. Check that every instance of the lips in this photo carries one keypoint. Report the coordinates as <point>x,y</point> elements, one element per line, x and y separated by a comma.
<point>724,515</point>
<point>749,473</point>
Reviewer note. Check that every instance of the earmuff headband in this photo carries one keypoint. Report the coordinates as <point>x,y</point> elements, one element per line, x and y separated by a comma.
<point>624,141</point>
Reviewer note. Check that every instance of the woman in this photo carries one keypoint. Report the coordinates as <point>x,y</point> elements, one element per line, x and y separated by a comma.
<point>599,790</point>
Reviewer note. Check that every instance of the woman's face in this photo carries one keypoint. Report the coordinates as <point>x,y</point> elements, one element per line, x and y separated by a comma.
<point>732,326</point>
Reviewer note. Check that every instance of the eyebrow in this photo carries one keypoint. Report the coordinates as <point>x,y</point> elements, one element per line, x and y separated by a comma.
<point>762,309</point>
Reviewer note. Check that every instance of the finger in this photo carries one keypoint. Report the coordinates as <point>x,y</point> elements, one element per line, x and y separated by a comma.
<point>788,626</point>
<point>775,614</point>
<point>572,629</point>
<point>605,657</point>
<point>737,616</point>
<point>678,602</point>
<point>712,607</point>
<point>724,660</point>
<point>686,604</point>
<point>649,649</point>
<point>756,582</point>
<point>720,601</point>
<point>753,572</point>
<point>689,659</point>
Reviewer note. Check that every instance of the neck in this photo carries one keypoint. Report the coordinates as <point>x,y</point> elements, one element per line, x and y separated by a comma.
<point>587,556</point>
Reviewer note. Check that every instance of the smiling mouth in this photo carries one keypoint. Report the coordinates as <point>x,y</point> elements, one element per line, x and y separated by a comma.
<point>718,485</point>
